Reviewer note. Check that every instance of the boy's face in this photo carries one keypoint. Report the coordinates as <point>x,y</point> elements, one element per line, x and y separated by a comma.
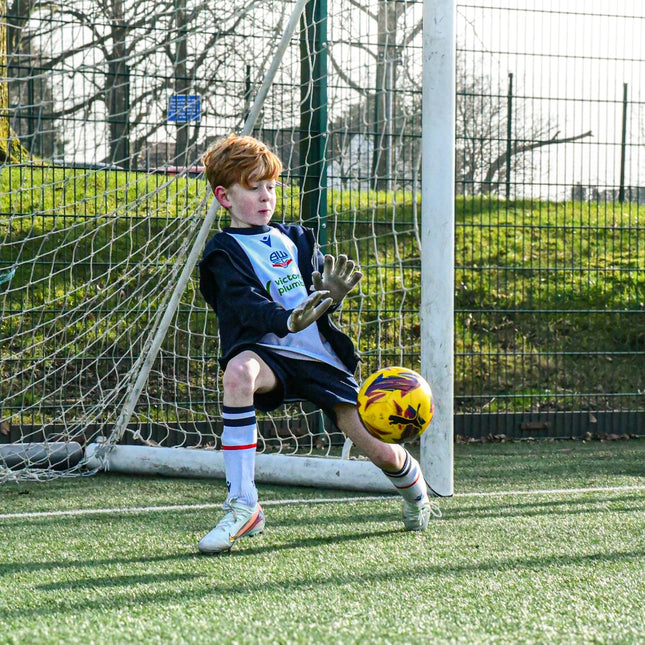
<point>253,206</point>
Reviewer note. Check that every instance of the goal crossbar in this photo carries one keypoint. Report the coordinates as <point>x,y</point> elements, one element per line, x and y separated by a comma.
<point>288,470</point>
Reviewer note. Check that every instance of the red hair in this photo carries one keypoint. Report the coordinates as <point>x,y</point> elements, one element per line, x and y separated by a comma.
<point>240,160</point>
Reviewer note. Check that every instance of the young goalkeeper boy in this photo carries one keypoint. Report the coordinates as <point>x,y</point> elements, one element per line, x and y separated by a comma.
<point>277,340</point>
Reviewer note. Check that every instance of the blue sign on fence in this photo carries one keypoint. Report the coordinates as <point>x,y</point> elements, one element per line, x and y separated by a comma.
<point>183,108</point>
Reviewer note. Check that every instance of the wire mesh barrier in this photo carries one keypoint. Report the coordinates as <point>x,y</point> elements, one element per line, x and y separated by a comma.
<point>106,111</point>
<point>550,283</point>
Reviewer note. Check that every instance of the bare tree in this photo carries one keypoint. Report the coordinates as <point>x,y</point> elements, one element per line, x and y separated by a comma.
<point>380,113</point>
<point>497,168</point>
<point>491,142</point>
<point>127,56</point>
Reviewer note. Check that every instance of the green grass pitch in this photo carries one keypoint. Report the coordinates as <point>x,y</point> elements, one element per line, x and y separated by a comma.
<point>542,543</point>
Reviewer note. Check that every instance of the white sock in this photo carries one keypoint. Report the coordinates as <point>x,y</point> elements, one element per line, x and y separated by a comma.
<point>239,442</point>
<point>409,480</point>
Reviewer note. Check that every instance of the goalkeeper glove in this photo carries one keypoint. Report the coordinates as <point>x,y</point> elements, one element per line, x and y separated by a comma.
<point>338,277</point>
<point>309,310</point>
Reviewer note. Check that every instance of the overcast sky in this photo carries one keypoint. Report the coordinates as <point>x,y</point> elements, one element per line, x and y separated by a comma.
<point>578,54</point>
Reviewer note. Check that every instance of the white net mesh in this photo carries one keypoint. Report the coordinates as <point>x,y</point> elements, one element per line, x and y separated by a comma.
<point>102,206</point>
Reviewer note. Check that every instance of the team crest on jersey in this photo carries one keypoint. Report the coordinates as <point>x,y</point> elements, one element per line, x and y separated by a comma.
<point>280,259</point>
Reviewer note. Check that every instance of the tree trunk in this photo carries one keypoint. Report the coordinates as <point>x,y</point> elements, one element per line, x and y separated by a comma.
<point>5,138</point>
<point>10,149</point>
<point>118,90</point>
<point>182,86</point>
<point>381,162</point>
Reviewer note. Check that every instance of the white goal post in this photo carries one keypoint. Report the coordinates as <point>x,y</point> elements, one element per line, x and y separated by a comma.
<point>112,348</point>
<point>437,240</point>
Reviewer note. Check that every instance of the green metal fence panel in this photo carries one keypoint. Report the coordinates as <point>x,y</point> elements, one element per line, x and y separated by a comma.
<point>550,282</point>
<point>550,236</point>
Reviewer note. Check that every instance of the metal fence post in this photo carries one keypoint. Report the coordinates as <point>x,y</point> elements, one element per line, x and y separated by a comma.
<point>313,119</point>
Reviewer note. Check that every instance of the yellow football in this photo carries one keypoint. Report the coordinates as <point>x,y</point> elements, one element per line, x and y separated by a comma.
<point>395,404</point>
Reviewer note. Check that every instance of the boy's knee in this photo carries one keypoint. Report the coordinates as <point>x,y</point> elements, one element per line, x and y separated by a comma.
<point>239,377</point>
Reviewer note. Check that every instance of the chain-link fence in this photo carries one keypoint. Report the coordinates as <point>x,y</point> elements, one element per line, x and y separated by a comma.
<point>550,246</point>
<point>550,285</point>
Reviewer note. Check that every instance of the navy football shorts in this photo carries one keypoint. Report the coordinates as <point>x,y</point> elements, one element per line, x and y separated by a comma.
<point>302,380</point>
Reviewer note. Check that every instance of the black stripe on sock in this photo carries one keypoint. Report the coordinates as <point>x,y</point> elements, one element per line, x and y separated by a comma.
<point>405,470</point>
<point>227,409</point>
<point>239,423</point>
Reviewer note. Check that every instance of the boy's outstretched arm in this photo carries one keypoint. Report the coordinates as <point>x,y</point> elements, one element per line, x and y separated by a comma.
<point>309,310</point>
<point>339,277</point>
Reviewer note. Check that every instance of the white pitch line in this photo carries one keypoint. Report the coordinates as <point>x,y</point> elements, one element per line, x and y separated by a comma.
<point>181,507</point>
<point>287,502</point>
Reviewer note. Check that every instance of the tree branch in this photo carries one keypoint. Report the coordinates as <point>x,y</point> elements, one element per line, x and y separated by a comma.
<point>500,162</point>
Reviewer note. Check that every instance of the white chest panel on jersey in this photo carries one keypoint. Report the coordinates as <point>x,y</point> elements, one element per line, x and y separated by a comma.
<point>274,258</point>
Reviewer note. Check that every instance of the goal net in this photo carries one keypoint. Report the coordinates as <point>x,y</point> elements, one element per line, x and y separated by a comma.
<point>108,351</point>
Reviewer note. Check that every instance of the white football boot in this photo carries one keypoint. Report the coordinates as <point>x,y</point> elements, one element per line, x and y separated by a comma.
<point>240,521</point>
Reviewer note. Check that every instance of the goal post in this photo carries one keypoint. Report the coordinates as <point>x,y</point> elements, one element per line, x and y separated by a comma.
<point>106,342</point>
<point>438,237</point>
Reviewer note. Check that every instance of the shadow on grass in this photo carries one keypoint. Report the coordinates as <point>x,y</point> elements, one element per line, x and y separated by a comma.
<point>120,581</point>
<point>128,595</point>
<point>502,508</point>
<point>24,567</point>
<point>53,565</point>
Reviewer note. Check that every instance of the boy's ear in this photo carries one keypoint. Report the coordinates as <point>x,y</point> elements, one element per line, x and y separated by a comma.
<point>222,196</point>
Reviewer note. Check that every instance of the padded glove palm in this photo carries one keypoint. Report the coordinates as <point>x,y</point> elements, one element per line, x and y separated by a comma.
<point>338,277</point>
<point>309,310</point>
